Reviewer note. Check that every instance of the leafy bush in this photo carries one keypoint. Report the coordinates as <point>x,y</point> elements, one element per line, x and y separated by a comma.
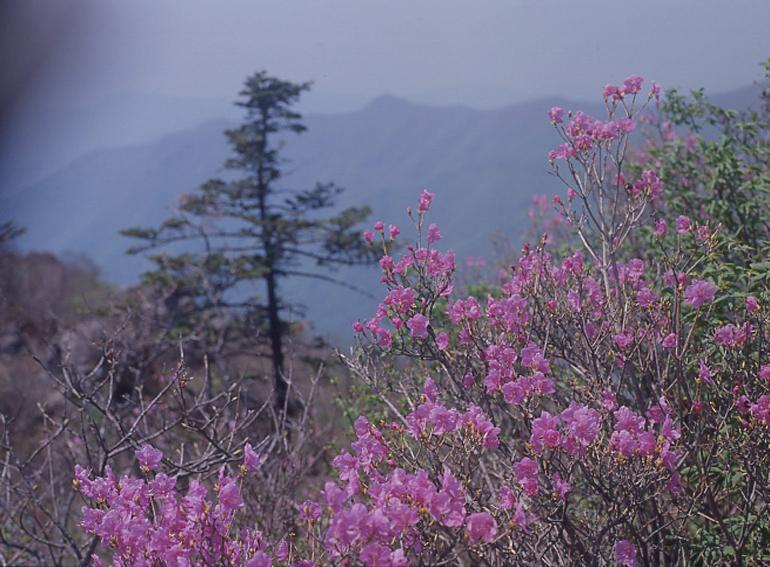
<point>608,403</point>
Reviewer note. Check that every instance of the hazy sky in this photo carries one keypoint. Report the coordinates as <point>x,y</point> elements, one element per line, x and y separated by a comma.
<point>478,52</point>
<point>80,75</point>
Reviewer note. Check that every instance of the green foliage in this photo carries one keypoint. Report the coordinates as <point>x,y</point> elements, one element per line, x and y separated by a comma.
<point>718,173</point>
<point>721,174</point>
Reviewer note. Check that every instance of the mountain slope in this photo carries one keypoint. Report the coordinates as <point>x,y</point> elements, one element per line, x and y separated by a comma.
<point>483,165</point>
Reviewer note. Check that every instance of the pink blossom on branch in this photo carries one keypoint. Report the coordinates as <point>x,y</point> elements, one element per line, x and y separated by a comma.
<point>434,234</point>
<point>699,293</point>
<point>556,115</point>
<point>149,457</point>
<point>683,224</point>
<point>426,198</point>
<point>418,326</point>
<point>251,459</point>
<point>625,553</point>
<point>481,527</point>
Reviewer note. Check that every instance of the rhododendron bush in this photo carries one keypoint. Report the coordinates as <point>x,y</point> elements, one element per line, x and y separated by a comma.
<point>606,403</point>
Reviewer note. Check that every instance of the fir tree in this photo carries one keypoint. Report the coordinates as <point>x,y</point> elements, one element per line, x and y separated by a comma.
<point>252,229</point>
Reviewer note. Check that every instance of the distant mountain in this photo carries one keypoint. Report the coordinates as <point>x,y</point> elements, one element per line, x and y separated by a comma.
<point>81,207</point>
<point>484,166</point>
<point>40,139</point>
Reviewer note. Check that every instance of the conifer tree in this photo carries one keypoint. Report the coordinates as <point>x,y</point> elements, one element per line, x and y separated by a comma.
<point>253,231</point>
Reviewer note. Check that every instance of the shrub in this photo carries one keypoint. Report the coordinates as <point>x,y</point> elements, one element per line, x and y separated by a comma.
<point>608,403</point>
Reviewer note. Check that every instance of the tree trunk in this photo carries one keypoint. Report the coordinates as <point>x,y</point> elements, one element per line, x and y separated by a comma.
<point>276,343</point>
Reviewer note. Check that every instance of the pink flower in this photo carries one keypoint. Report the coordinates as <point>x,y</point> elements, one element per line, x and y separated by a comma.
<point>582,423</point>
<point>430,390</point>
<point>251,459</point>
<point>556,115</point>
<point>632,85</point>
<point>761,410</point>
<point>434,234</point>
<point>667,131</point>
<point>149,457</point>
<point>282,553</point>
<point>448,504</point>
<point>526,475</point>
<point>426,198</point>
<point>628,420</point>
<point>648,183</point>
<point>624,340</point>
<point>481,527</point>
<point>669,341</point>
<point>656,91</point>
<point>626,125</point>
<point>418,326</point>
<point>309,511</point>
<point>259,559</point>
<point>645,297</point>
<point>625,553</point>
<point>699,292</point>
<point>683,224</point>
<point>545,432</point>
<point>609,402</point>
<point>379,226</point>
<point>229,495</point>
<point>374,554</point>
<point>561,486</point>
<point>386,263</point>
<point>393,231</point>
<point>521,518</point>
<point>674,280</point>
<point>611,91</point>
<point>704,372</point>
<point>752,305</point>
<point>732,335</point>
<point>660,228</point>
<point>490,434</point>
<point>564,151</point>
<point>505,497</point>
<point>397,559</point>
<point>369,236</point>
<point>442,340</point>
<point>764,372</point>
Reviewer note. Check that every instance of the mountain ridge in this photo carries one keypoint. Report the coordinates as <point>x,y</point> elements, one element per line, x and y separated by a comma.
<point>484,166</point>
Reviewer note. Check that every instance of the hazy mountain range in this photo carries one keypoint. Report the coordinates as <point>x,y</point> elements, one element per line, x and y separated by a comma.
<point>483,165</point>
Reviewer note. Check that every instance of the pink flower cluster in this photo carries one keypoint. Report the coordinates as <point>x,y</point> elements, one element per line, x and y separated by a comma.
<point>732,335</point>
<point>582,133</point>
<point>699,293</point>
<point>380,524</point>
<point>433,418</point>
<point>631,86</point>
<point>149,522</point>
<point>580,427</point>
